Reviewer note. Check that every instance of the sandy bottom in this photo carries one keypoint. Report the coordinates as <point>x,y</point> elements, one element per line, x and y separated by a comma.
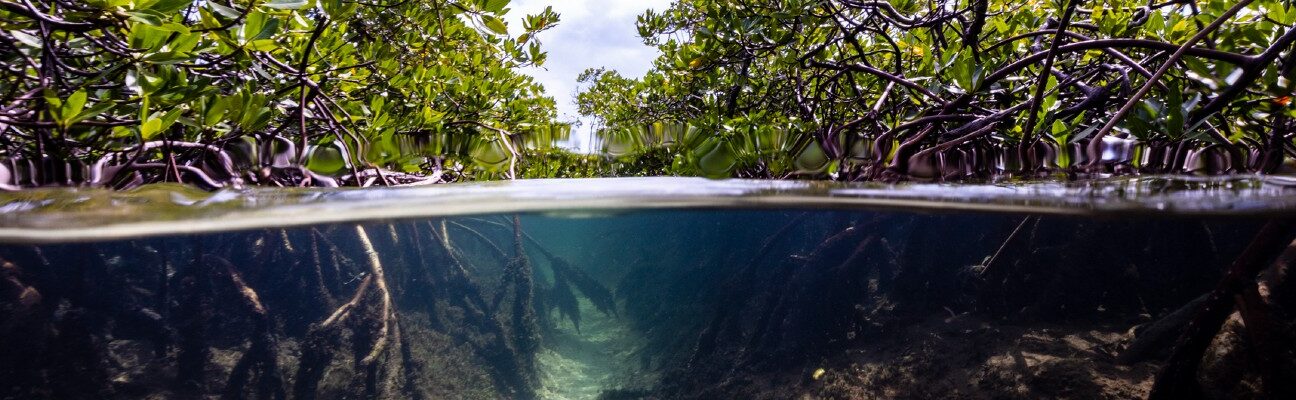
<point>600,359</point>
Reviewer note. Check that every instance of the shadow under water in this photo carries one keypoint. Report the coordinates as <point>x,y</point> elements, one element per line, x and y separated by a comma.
<point>661,304</point>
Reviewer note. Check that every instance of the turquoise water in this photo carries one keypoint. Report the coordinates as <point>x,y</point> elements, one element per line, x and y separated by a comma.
<point>623,289</point>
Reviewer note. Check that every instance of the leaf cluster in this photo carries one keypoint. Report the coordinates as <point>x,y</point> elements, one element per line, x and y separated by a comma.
<point>290,92</point>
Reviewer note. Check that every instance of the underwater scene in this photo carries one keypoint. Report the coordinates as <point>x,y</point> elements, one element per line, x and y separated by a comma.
<point>683,299</point>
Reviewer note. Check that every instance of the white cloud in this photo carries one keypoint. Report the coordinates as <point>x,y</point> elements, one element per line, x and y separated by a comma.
<point>592,33</point>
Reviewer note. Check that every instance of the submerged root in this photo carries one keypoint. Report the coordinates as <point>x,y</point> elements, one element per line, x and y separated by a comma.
<point>322,339</point>
<point>733,288</point>
<point>380,283</point>
<point>496,250</point>
<point>262,354</point>
<point>513,374</point>
<point>345,309</point>
<point>14,291</point>
<point>321,343</point>
<point>1156,336</point>
<point>26,330</point>
<point>193,348</point>
<point>317,270</point>
<point>768,330</point>
<point>1177,379</point>
<point>526,329</point>
<point>596,292</point>
<point>565,301</point>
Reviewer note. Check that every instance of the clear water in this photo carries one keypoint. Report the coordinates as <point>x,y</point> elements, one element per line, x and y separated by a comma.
<point>624,289</point>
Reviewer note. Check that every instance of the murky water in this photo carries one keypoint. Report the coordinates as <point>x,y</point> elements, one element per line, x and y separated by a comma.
<point>635,289</point>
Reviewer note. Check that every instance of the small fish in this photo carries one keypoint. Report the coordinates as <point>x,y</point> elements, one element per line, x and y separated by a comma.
<point>356,278</point>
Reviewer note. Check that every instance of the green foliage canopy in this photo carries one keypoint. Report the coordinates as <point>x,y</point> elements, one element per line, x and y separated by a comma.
<point>218,92</point>
<point>955,89</point>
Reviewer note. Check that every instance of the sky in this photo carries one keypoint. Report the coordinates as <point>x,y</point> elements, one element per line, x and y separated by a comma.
<point>591,33</point>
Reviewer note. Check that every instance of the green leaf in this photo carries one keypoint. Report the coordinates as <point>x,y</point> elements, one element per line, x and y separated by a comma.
<point>1059,131</point>
<point>718,161</point>
<point>1084,133</point>
<point>1281,14</point>
<point>286,4</point>
<point>326,159</point>
<point>150,128</point>
<point>174,27</point>
<point>72,106</point>
<point>149,17</point>
<point>495,6</point>
<point>1174,111</point>
<point>223,11</point>
<point>812,158</point>
<point>215,112</point>
<point>262,45</point>
<point>159,122</point>
<point>52,99</point>
<point>495,24</point>
<point>27,39</point>
<point>92,112</point>
<point>170,6</point>
<point>268,30</point>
